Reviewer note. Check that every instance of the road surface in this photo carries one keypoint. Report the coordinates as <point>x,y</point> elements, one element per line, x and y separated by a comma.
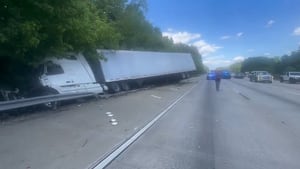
<point>245,125</point>
<point>236,128</point>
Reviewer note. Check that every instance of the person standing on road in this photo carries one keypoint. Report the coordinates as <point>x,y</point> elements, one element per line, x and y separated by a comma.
<point>218,80</point>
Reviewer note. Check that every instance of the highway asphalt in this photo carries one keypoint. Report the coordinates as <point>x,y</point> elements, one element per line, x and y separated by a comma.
<point>245,125</point>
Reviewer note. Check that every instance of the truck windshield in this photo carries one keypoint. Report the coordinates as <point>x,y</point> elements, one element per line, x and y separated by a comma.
<point>54,69</point>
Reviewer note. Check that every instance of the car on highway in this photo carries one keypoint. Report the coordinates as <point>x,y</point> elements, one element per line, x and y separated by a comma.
<point>261,76</point>
<point>291,77</point>
<point>211,76</point>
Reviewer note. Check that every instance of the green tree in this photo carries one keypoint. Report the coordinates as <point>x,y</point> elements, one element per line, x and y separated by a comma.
<point>30,30</point>
<point>236,67</point>
<point>258,63</point>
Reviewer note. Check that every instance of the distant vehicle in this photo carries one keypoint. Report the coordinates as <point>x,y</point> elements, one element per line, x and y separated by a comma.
<point>261,76</point>
<point>291,77</point>
<point>239,75</point>
<point>226,75</point>
<point>211,76</point>
<point>247,74</point>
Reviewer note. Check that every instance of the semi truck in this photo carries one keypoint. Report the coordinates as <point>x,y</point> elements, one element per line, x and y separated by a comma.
<point>120,70</point>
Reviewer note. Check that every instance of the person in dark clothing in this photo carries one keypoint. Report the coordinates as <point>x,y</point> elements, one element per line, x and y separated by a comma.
<point>218,80</point>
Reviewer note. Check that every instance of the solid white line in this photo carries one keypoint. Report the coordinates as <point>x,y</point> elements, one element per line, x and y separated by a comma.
<point>297,94</point>
<point>125,145</point>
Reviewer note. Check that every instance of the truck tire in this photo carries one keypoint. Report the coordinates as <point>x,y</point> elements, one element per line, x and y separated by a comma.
<point>187,75</point>
<point>125,86</point>
<point>114,87</point>
<point>49,91</point>
<point>292,81</point>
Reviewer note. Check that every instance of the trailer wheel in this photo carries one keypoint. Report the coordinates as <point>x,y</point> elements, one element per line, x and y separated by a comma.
<point>125,86</point>
<point>292,81</point>
<point>139,83</point>
<point>115,87</point>
<point>183,76</point>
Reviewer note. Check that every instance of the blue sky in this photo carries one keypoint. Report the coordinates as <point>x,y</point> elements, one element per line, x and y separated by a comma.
<point>226,31</point>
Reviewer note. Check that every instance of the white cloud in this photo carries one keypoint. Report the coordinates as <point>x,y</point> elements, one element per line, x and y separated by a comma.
<point>216,61</point>
<point>270,23</point>
<point>225,37</point>
<point>297,31</point>
<point>221,61</point>
<point>194,39</point>
<point>267,54</point>
<point>238,59</point>
<point>239,34</point>
<point>205,48</point>
<point>181,37</point>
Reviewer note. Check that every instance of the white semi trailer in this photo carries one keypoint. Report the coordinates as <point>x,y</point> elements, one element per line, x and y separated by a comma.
<point>123,68</point>
<point>119,71</point>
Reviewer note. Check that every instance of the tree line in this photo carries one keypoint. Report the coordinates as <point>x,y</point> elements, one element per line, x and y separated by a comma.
<point>275,65</point>
<point>31,30</point>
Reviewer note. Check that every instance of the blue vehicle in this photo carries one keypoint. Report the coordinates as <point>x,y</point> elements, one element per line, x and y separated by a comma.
<point>211,76</point>
<point>226,75</point>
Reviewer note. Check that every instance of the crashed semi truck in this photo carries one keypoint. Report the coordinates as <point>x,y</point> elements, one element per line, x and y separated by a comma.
<point>120,70</point>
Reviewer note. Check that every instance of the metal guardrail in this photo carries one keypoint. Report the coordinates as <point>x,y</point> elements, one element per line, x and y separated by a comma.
<point>14,104</point>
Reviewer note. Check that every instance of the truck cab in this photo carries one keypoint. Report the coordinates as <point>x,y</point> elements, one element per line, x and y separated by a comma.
<point>71,74</point>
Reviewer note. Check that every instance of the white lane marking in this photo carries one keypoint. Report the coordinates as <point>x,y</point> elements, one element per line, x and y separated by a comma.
<point>298,94</point>
<point>107,113</point>
<point>114,123</point>
<point>125,145</point>
<point>157,97</point>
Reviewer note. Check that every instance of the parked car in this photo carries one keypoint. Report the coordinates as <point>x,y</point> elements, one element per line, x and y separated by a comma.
<point>261,76</point>
<point>211,76</point>
<point>291,77</point>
